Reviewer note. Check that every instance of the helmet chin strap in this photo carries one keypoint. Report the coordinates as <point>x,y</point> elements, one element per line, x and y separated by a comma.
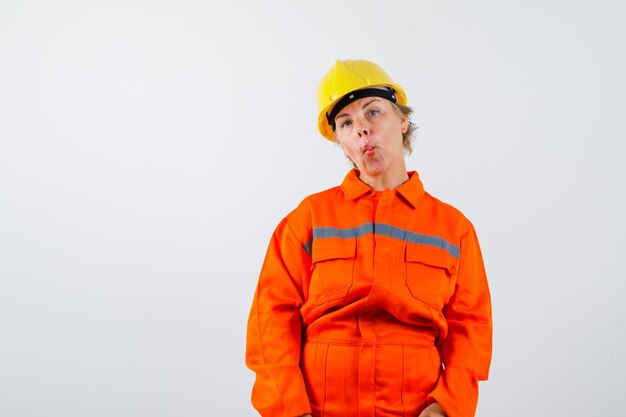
<point>386,93</point>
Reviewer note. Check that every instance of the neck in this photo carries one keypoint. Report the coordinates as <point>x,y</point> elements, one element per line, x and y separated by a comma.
<point>386,180</point>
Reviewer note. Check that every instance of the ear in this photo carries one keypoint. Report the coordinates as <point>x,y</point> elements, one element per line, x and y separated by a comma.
<point>404,123</point>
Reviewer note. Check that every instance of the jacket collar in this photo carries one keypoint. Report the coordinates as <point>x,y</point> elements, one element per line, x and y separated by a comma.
<point>411,191</point>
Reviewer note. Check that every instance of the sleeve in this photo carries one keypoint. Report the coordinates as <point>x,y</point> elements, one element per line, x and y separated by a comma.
<point>274,334</point>
<point>466,351</point>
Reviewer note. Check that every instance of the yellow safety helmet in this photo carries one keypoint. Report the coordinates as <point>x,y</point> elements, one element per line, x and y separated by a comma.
<point>350,76</point>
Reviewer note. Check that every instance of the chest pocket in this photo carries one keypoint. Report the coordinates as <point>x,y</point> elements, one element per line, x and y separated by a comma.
<point>430,274</point>
<point>333,266</point>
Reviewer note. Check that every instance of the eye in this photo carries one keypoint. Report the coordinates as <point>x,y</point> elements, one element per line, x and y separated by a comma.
<point>346,123</point>
<point>373,113</point>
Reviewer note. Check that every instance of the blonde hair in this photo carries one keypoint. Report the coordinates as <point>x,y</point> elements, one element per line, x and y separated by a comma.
<point>407,137</point>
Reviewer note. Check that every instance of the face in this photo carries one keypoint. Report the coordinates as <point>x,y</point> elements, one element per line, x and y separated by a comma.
<point>370,132</point>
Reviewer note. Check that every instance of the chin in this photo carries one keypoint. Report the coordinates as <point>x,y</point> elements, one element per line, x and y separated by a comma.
<point>372,172</point>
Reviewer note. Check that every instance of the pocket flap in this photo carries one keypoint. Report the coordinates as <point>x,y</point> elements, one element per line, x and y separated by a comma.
<point>431,255</point>
<point>325,249</point>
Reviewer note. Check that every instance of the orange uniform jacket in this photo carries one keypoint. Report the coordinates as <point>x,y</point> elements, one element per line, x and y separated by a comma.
<point>370,303</point>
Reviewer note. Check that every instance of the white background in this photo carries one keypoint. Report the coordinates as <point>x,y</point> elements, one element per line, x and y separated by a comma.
<point>149,148</point>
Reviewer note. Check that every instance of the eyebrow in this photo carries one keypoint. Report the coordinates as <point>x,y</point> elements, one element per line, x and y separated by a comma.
<point>362,107</point>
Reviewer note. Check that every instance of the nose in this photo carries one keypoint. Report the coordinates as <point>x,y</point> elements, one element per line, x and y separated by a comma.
<point>362,129</point>
<point>362,134</point>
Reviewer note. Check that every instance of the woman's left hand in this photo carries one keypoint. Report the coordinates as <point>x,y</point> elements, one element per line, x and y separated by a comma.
<point>433,410</point>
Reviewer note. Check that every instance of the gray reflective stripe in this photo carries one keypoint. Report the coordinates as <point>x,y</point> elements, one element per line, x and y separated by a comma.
<point>353,232</point>
<point>419,239</point>
<point>385,230</point>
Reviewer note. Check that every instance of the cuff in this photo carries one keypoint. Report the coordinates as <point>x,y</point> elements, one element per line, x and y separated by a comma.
<point>280,391</point>
<point>456,392</point>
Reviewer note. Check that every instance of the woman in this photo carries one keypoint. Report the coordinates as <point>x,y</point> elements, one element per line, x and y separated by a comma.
<point>373,299</point>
